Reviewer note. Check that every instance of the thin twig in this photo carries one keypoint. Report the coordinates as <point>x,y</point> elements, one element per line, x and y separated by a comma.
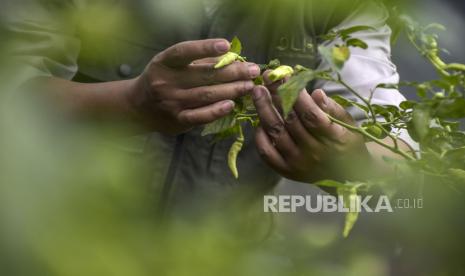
<point>371,137</point>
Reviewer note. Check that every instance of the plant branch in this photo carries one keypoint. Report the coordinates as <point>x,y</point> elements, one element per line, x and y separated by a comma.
<point>371,137</point>
<point>355,93</point>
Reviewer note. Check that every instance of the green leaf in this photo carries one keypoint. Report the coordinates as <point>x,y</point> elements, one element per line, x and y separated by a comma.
<point>219,125</point>
<point>290,90</point>
<point>326,55</point>
<point>348,31</point>
<point>341,100</point>
<point>422,90</point>
<point>406,105</point>
<point>382,110</point>
<point>355,42</point>
<point>455,156</point>
<point>458,174</point>
<point>347,103</point>
<point>247,103</point>
<point>236,46</point>
<point>388,86</point>
<point>330,36</point>
<point>273,64</point>
<point>408,22</point>
<point>232,131</point>
<point>452,108</point>
<point>259,80</point>
<point>335,57</point>
<point>434,26</point>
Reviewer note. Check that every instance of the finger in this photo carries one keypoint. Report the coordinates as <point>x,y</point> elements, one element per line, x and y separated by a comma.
<point>304,140</point>
<point>273,86</point>
<point>269,153</point>
<point>184,53</point>
<point>201,96</point>
<point>209,60</point>
<point>273,123</point>
<point>329,106</point>
<point>315,120</point>
<point>205,74</point>
<point>206,114</point>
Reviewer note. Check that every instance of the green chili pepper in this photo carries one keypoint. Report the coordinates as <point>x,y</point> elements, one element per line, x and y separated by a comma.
<point>455,66</point>
<point>280,73</point>
<point>375,130</point>
<point>234,151</point>
<point>226,59</point>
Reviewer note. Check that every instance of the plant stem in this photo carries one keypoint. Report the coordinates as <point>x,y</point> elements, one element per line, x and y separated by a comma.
<point>371,137</point>
<point>365,101</point>
<point>440,69</point>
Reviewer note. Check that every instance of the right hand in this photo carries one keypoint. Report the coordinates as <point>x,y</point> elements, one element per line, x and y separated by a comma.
<point>180,89</point>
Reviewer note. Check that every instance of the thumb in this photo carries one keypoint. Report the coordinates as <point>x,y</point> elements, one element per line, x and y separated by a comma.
<point>332,108</point>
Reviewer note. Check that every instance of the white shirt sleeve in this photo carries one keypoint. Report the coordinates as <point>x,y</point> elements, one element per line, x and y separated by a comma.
<point>369,67</point>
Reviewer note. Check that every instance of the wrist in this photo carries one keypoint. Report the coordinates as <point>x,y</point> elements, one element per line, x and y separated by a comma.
<point>137,104</point>
<point>131,102</point>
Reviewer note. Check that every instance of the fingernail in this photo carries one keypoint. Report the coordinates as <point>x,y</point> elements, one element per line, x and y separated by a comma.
<point>222,46</point>
<point>324,98</point>
<point>257,93</point>
<point>227,106</point>
<point>254,71</point>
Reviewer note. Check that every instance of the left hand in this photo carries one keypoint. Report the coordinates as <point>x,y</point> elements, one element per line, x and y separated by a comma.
<point>307,146</point>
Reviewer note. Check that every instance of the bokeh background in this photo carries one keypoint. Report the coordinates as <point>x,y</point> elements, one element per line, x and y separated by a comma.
<point>69,205</point>
<point>384,253</point>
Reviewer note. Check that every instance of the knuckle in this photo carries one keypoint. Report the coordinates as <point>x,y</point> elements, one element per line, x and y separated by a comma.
<point>343,136</point>
<point>186,118</point>
<point>166,106</point>
<point>208,75</point>
<point>339,148</point>
<point>274,130</point>
<point>207,95</point>
<point>158,84</point>
<point>263,152</point>
<point>311,119</point>
<point>291,118</point>
<point>157,59</point>
<point>232,71</point>
<point>240,88</point>
<point>264,97</point>
<point>176,51</point>
<point>243,71</point>
<point>216,113</point>
<point>207,47</point>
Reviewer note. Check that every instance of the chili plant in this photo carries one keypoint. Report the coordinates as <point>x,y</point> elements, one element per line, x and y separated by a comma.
<point>432,121</point>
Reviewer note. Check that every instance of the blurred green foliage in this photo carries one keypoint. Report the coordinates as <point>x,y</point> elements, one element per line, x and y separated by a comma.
<point>72,204</point>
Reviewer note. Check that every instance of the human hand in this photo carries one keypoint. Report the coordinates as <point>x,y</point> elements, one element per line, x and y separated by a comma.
<point>307,146</point>
<point>180,89</point>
